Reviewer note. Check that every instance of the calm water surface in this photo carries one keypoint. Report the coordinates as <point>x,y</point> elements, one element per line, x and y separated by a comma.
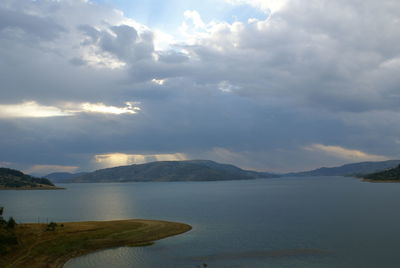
<point>286,222</point>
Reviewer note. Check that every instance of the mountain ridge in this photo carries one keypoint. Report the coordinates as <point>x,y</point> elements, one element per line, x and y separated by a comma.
<point>353,169</point>
<point>207,170</point>
<point>188,170</point>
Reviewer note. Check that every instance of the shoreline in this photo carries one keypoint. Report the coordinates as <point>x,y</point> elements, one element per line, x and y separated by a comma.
<point>38,247</point>
<point>380,181</point>
<point>26,188</point>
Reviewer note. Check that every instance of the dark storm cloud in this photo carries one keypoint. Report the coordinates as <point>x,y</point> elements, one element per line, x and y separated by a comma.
<point>123,41</point>
<point>42,27</point>
<point>267,94</point>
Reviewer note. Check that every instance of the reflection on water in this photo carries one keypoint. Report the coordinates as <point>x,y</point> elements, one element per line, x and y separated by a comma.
<point>109,202</point>
<point>286,222</point>
<point>263,254</point>
<point>79,202</point>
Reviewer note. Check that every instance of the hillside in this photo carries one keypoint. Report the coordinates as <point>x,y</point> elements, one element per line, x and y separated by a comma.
<point>14,179</point>
<point>392,174</point>
<point>355,169</point>
<point>193,170</point>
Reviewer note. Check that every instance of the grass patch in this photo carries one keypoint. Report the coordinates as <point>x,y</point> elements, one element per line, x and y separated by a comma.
<point>40,247</point>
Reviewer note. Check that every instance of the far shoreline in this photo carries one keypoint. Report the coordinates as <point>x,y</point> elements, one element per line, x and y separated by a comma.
<point>380,181</point>
<point>27,188</point>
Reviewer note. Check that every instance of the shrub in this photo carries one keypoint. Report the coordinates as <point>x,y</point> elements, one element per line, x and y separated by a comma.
<point>11,223</point>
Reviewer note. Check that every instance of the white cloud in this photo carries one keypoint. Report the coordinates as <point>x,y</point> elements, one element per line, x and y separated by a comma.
<point>31,109</point>
<point>345,153</point>
<point>92,56</point>
<point>225,86</point>
<point>159,82</point>
<point>195,18</point>
<point>265,5</point>
<point>104,109</point>
<point>193,27</point>
<point>119,159</point>
<point>162,40</point>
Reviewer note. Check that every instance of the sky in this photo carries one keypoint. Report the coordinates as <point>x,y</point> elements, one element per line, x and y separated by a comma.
<point>279,85</point>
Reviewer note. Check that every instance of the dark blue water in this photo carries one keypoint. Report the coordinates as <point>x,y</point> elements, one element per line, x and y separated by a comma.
<point>286,222</point>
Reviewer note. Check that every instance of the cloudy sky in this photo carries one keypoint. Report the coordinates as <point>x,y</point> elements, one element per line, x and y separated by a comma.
<point>275,85</point>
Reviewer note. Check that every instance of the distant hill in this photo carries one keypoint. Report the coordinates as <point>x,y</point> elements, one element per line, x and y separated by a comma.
<point>192,170</point>
<point>356,169</point>
<point>59,177</point>
<point>392,174</point>
<point>14,179</point>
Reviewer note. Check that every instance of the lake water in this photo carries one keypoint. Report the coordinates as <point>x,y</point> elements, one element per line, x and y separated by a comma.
<point>285,222</point>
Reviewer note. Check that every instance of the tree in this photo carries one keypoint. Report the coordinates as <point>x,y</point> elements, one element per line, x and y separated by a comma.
<point>51,226</point>
<point>11,223</point>
<point>2,221</point>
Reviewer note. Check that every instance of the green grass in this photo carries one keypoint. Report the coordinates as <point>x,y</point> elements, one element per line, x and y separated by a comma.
<point>40,248</point>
